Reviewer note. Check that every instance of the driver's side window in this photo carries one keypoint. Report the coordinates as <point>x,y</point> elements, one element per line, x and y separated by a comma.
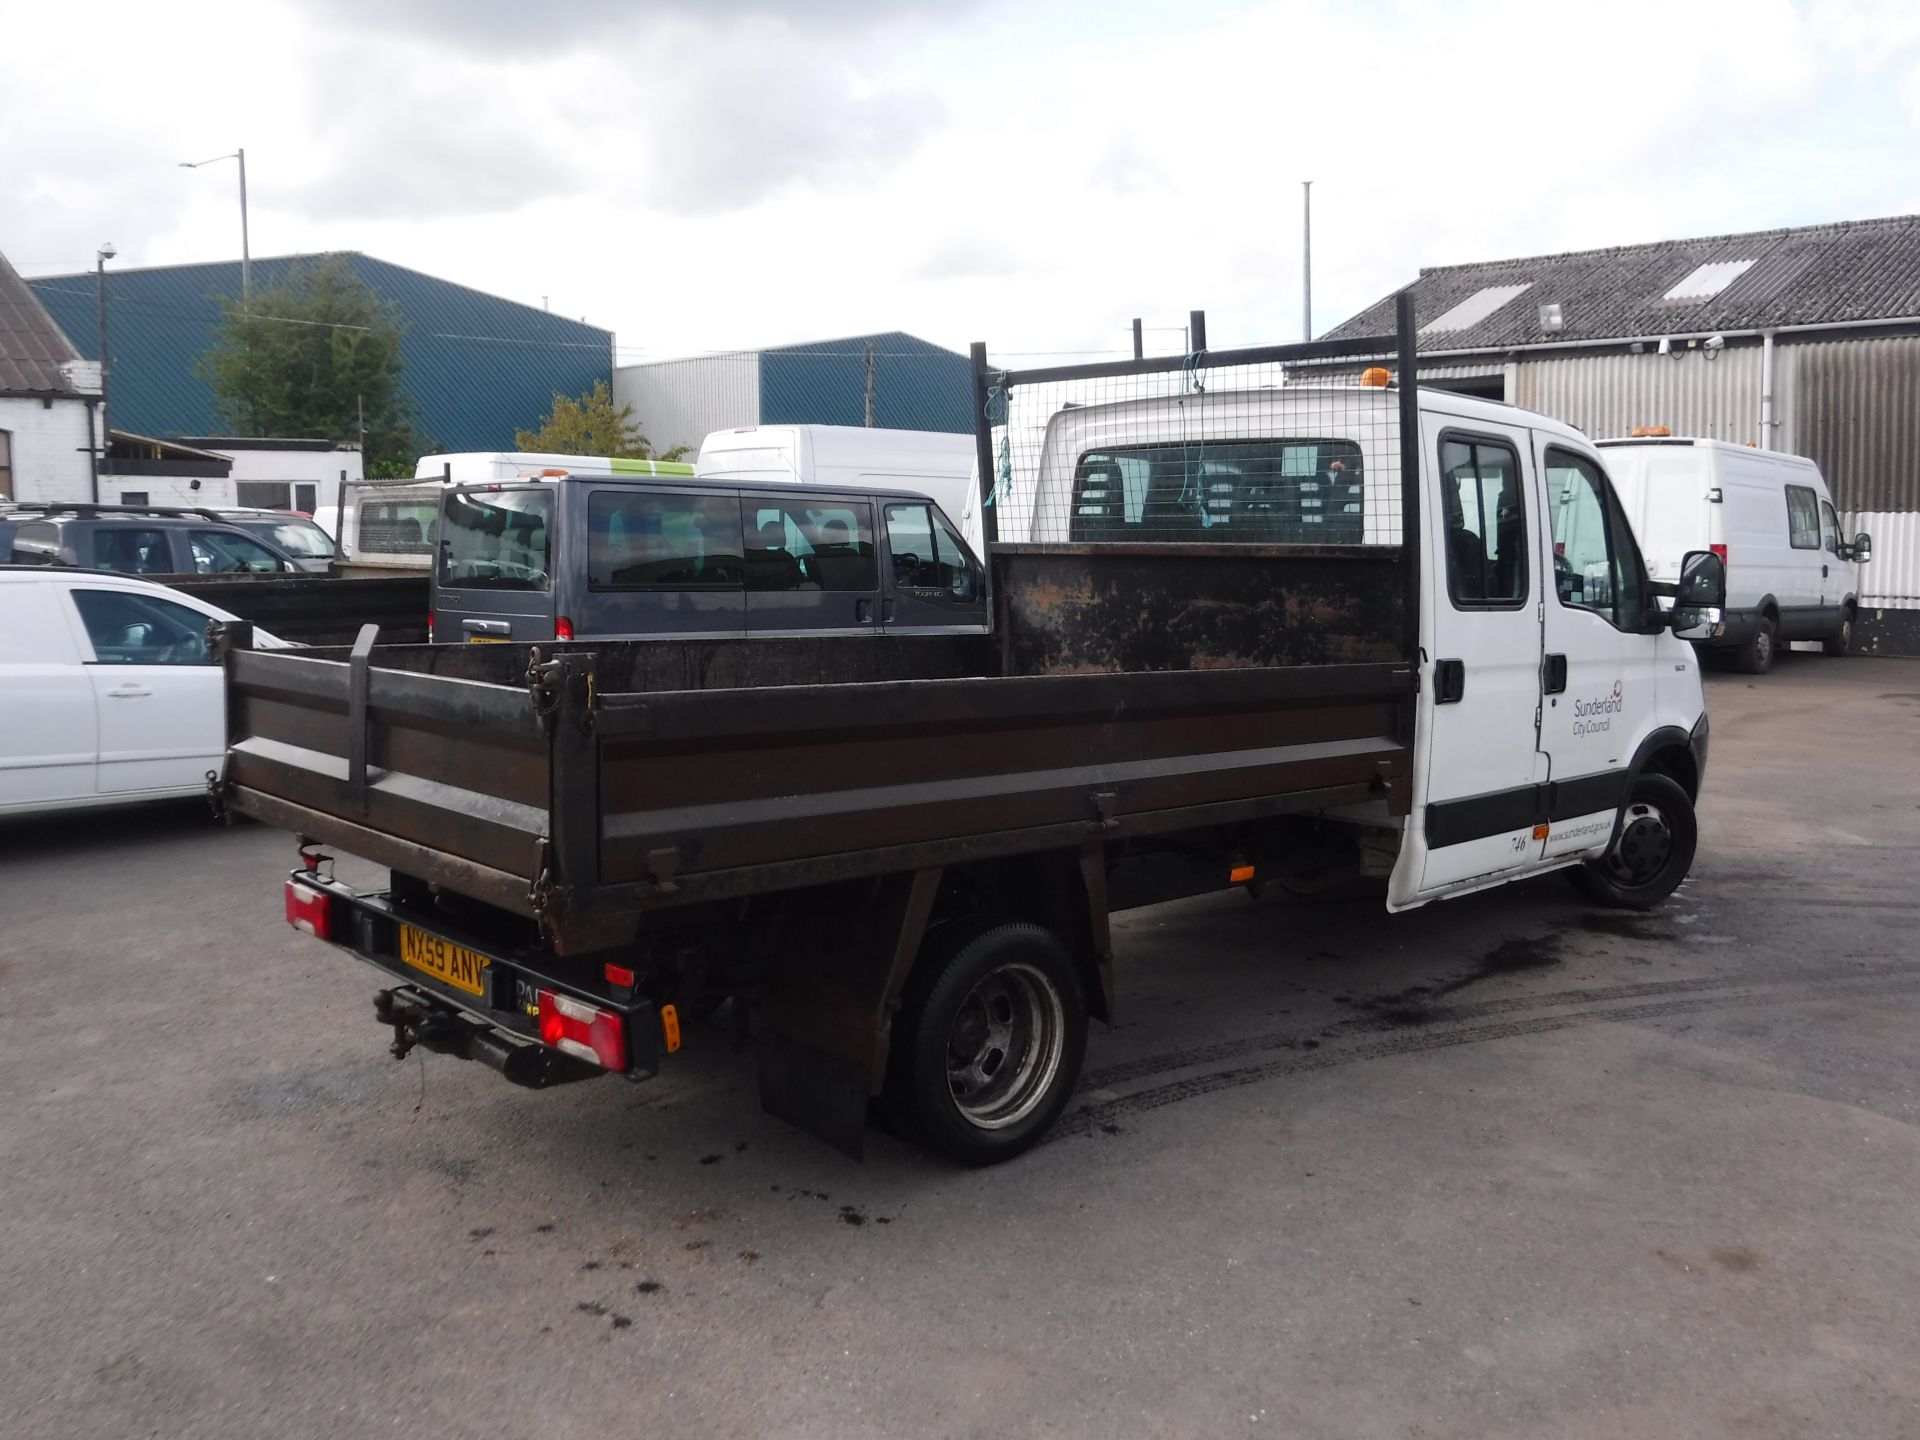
<point>1596,564</point>
<point>129,629</point>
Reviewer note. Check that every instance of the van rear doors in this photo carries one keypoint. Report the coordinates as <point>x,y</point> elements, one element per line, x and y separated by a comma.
<point>493,577</point>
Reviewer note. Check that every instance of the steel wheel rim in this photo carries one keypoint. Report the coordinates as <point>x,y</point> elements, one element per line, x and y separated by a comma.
<point>1846,635</point>
<point>1004,1046</point>
<point>1643,847</point>
<point>1763,645</point>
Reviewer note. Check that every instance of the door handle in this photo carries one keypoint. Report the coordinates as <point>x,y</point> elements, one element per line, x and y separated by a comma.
<point>486,627</point>
<point>1823,572</point>
<point>129,692</point>
<point>1449,681</point>
<point>1553,675</point>
<point>886,610</point>
<point>863,612</point>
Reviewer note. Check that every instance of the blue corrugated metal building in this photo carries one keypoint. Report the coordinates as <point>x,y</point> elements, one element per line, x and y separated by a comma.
<point>478,367</point>
<point>916,386</point>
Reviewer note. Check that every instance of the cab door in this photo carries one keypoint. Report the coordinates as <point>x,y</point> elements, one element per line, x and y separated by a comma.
<point>1599,677</point>
<point>1480,681</point>
<point>932,581</point>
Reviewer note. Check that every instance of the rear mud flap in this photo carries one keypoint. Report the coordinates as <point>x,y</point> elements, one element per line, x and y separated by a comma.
<point>828,1018</point>
<point>819,1093</point>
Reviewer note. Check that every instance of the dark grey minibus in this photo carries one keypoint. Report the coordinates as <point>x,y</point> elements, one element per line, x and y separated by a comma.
<point>627,557</point>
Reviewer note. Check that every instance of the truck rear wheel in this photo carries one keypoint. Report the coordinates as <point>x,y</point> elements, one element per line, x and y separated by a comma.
<point>988,1041</point>
<point>1652,848</point>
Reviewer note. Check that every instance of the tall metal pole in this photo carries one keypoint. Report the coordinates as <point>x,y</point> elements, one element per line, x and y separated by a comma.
<point>246,257</point>
<point>1306,260</point>
<point>246,245</point>
<point>100,258</point>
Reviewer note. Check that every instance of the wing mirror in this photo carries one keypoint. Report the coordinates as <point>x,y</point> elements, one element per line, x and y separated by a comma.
<point>1861,550</point>
<point>1700,597</point>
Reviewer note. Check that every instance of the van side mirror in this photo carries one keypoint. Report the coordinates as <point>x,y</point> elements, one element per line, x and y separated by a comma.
<point>1862,548</point>
<point>1700,597</point>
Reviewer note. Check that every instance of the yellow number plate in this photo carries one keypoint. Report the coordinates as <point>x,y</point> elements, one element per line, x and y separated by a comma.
<point>442,959</point>
<point>488,640</point>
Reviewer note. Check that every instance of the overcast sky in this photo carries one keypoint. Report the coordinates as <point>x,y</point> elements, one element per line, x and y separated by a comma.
<point>708,174</point>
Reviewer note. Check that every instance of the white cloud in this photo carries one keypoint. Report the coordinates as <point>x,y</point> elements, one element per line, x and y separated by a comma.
<point>704,177</point>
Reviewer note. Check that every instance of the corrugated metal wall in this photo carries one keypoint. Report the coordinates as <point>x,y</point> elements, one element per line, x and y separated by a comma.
<point>1852,406</point>
<point>1607,395</point>
<point>677,402</point>
<point>1892,577</point>
<point>916,385</point>
<point>1856,411</point>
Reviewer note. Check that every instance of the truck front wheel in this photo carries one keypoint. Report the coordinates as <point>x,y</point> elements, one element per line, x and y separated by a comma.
<point>988,1041</point>
<point>1652,848</point>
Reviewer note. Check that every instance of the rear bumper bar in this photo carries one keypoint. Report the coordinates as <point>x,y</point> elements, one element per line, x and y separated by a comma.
<point>497,1027</point>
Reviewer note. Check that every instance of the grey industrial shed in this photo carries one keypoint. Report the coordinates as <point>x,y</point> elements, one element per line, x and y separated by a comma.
<point>1805,340</point>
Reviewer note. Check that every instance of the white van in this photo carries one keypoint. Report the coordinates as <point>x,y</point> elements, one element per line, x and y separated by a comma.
<point>1790,572</point>
<point>925,462</point>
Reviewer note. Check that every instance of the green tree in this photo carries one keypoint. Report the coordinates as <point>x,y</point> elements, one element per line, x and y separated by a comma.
<point>315,357</point>
<point>592,425</point>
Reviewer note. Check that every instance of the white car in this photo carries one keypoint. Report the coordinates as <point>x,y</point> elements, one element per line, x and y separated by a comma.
<point>108,691</point>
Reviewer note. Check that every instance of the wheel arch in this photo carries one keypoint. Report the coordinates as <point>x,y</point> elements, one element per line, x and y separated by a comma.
<point>1666,751</point>
<point>1062,891</point>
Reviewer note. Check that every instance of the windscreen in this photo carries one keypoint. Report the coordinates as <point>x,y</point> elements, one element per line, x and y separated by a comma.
<point>496,539</point>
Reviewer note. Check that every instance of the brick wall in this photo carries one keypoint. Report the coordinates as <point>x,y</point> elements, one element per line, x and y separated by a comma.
<point>49,446</point>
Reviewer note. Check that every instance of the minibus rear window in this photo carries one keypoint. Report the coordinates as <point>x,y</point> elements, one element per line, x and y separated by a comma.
<point>496,539</point>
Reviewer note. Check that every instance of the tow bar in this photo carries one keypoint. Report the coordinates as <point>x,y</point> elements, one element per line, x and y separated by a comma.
<point>417,1019</point>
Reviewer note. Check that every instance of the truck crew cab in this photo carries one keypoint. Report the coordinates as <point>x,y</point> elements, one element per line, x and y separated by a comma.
<point>1256,615</point>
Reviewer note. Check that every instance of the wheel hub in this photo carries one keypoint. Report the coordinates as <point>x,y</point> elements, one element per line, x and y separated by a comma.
<point>1004,1046</point>
<point>1644,845</point>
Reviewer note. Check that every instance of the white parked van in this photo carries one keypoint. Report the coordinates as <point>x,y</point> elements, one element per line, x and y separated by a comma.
<point>1790,572</point>
<point>924,462</point>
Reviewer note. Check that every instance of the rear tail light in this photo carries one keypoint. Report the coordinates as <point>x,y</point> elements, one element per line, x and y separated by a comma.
<point>563,629</point>
<point>309,910</point>
<point>582,1030</point>
<point>429,627</point>
<point>1721,551</point>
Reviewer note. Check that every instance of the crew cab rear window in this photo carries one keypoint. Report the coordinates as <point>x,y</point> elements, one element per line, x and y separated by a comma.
<point>644,540</point>
<point>1484,523</point>
<point>496,539</point>
<point>1274,491</point>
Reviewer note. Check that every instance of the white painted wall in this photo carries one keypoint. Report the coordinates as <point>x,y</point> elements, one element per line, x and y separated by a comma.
<point>303,467</point>
<point>49,445</point>
<point>293,467</point>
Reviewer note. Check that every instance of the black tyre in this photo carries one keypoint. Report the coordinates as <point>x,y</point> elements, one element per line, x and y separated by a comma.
<point>1841,641</point>
<point>988,1042</point>
<point>1756,656</point>
<point>1652,848</point>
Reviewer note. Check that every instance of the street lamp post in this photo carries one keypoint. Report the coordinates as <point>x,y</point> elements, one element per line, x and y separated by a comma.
<point>246,261</point>
<point>100,257</point>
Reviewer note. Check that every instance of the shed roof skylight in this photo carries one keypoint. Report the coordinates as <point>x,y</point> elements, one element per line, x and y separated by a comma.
<point>1475,308</point>
<point>1709,280</point>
